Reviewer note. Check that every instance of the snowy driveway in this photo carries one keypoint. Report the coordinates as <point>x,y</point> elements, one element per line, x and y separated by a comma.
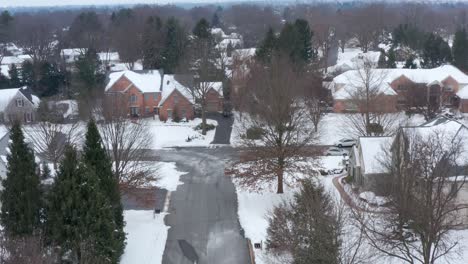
<point>203,211</point>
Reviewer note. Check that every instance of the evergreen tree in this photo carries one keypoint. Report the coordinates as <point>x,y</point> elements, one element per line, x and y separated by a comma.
<point>4,82</point>
<point>460,49</point>
<point>174,48</point>
<point>153,43</point>
<point>21,195</point>
<point>95,156</point>
<point>27,73</point>
<point>305,35</point>
<point>202,29</point>
<point>45,173</point>
<point>267,46</point>
<point>80,218</point>
<point>215,21</point>
<point>391,64</point>
<point>409,63</point>
<point>436,52</point>
<point>289,42</point>
<point>14,76</point>
<point>382,62</point>
<point>314,226</point>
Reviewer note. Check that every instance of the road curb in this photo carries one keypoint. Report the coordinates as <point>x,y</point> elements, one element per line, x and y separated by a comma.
<point>251,251</point>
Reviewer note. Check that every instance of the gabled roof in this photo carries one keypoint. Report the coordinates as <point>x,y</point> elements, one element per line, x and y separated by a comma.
<point>6,95</point>
<point>147,81</point>
<point>217,86</point>
<point>372,151</point>
<point>169,85</point>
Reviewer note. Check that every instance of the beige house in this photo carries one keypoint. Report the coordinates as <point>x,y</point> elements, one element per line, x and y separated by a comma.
<point>18,104</point>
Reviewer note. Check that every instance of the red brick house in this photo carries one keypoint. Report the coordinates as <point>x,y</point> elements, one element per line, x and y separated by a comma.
<point>399,88</point>
<point>150,92</point>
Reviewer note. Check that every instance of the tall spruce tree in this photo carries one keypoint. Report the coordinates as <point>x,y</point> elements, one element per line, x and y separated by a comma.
<point>267,46</point>
<point>460,49</point>
<point>153,43</point>
<point>21,195</point>
<point>391,59</point>
<point>305,35</point>
<point>96,158</point>
<point>436,52</point>
<point>202,29</point>
<point>80,219</point>
<point>174,48</point>
<point>14,76</point>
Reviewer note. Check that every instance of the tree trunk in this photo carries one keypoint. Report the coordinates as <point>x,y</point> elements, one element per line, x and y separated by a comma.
<point>203,120</point>
<point>280,175</point>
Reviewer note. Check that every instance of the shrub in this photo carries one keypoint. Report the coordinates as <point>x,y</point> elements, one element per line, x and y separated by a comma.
<point>208,127</point>
<point>254,133</point>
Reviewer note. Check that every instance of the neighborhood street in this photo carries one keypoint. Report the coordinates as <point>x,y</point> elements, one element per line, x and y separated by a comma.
<point>204,226</point>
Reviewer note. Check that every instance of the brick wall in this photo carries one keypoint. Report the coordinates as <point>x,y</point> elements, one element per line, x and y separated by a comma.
<point>176,107</point>
<point>214,100</point>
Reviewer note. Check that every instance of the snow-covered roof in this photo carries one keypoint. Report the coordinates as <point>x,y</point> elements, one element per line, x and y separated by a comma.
<point>372,151</point>
<point>425,76</point>
<point>217,31</point>
<point>6,95</point>
<point>235,42</point>
<point>244,53</point>
<point>148,81</point>
<point>138,66</point>
<point>351,90</point>
<point>8,60</point>
<point>382,78</point>
<point>68,108</point>
<point>109,56</point>
<point>463,91</point>
<point>217,86</point>
<point>72,52</point>
<point>5,70</point>
<point>169,85</point>
<point>348,59</point>
<point>446,130</point>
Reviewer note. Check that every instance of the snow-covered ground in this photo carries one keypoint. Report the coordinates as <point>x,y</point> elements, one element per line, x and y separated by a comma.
<point>255,208</point>
<point>146,237</point>
<point>171,134</point>
<point>146,232</point>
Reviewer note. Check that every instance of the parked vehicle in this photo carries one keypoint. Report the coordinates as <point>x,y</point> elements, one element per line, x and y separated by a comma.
<point>334,151</point>
<point>347,142</point>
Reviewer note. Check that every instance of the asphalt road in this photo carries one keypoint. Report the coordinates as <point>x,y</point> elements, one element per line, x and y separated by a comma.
<point>204,227</point>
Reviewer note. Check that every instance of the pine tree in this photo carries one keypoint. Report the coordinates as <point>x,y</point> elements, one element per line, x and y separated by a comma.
<point>305,35</point>
<point>202,29</point>
<point>391,64</point>
<point>409,63</point>
<point>4,82</point>
<point>45,173</point>
<point>174,48</point>
<point>153,43</point>
<point>436,52</point>
<point>14,76</point>
<point>95,156</point>
<point>314,226</point>
<point>267,46</point>
<point>80,218</point>
<point>21,195</point>
<point>460,49</point>
<point>382,62</point>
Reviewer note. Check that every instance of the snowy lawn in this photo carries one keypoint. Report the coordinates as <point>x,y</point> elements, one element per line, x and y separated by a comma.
<point>255,207</point>
<point>146,237</point>
<point>146,232</point>
<point>171,134</point>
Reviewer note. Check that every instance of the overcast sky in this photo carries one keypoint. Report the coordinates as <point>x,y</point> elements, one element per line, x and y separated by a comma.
<point>15,3</point>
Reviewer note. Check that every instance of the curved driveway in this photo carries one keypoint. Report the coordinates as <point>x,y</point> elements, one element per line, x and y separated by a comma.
<point>204,226</point>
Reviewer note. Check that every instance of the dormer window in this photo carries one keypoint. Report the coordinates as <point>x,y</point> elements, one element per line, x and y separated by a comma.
<point>19,102</point>
<point>448,88</point>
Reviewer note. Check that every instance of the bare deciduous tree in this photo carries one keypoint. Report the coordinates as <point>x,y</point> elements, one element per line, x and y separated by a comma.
<point>372,99</point>
<point>424,198</point>
<point>275,126</point>
<point>126,142</point>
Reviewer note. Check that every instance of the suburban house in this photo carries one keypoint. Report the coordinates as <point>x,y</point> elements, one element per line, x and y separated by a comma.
<point>367,162</point>
<point>18,104</point>
<point>372,157</point>
<point>401,88</point>
<point>150,92</point>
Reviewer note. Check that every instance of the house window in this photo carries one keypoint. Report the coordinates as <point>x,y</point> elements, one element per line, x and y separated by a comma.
<point>402,88</point>
<point>19,102</point>
<point>134,111</point>
<point>27,117</point>
<point>155,96</point>
<point>133,98</point>
<point>147,97</point>
<point>184,113</point>
<point>176,99</point>
<point>169,114</point>
<point>448,88</point>
<point>147,110</point>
